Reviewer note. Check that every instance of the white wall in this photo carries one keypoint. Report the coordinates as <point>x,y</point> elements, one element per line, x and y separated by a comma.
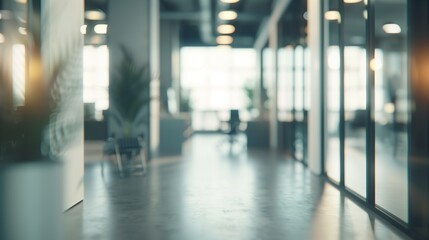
<point>315,112</point>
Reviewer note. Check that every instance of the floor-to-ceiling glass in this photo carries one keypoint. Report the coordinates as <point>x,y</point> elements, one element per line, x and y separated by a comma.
<point>298,142</point>
<point>355,93</point>
<point>332,85</point>
<point>285,84</point>
<point>391,107</point>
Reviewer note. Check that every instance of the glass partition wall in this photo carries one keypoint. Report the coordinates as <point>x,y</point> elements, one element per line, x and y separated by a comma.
<point>367,102</point>
<point>294,79</point>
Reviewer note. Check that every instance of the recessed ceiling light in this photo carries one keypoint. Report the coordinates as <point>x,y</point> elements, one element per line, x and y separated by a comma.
<point>226,29</point>
<point>228,15</point>
<point>95,15</point>
<point>100,28</point>
<point>391,28</point>
<point>332,15</point>
<point>352,1</point>
<point>83,29</point>
<point>224,40</point>
<point>230,1</point>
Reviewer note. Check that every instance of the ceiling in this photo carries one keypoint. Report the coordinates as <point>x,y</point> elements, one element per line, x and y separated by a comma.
<point>198,19</point>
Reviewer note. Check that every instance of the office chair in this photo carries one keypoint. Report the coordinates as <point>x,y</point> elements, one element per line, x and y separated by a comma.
<point>129,154</point>
<point>233,129</point>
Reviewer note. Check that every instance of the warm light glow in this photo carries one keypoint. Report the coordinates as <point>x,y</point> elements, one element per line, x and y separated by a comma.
<point>83,29</point>
<point>332,15</point>
<point>230,1</point>
<point>100,28</point>
<point>352,1</point>
<point>224,40</point>
<point>389,108</point>
<point>228,15</point>
<point>226,29</point>
<point>375,64</point>
<point>391,28</point>
<point>2,39</point>
<point>95,15</point>
<point>96,40</point>
<point>22,30</point>
<point>21,1</point>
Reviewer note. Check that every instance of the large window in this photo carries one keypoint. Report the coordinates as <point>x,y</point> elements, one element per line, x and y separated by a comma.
<point>217,79</point>
<point>95,80</point>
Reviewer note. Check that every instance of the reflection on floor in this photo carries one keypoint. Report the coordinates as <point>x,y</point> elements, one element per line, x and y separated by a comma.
<point>212,194</point>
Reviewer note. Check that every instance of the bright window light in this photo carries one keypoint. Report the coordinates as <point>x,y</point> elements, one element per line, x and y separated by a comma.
<point>96,78</point>
<point>18,74</point>
<point>228,15</point>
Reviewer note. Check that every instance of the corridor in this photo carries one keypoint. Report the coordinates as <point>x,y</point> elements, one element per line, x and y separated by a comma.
<point>211,193</point>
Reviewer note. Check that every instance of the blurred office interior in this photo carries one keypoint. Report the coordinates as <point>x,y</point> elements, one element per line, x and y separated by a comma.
<point>215,119</point>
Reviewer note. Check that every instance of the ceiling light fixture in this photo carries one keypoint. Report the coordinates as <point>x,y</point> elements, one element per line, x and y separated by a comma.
<point>332,15</point>
<point>95,15</point>
<point>21,1</point>
<point>83,29</point>
<point>391,28</point>
<point>230,1</point>
<point>227,15</point>
<point>224,40</point>
<point>352,1</point>
<point>100,28</point>
<point>225,29</point>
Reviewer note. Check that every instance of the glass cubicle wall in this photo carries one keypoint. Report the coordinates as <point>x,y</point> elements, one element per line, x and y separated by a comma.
<point>355,95</point>
<point>367,101</point>
<point>293,79</point>
<point>391,110</point>
<point>332,86</point>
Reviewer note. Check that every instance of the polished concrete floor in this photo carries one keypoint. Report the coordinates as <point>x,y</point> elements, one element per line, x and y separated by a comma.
<point>212,193</point>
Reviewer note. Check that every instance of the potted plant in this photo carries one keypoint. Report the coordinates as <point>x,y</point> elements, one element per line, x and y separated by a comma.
<point>130,96</point>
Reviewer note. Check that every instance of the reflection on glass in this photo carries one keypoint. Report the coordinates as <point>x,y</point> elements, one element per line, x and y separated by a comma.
<point>18,69</point>
<point>299,104</point>
<point>285,83</point>
<point>332,86</point>
<point>391,109</point>
<point>355,82</point>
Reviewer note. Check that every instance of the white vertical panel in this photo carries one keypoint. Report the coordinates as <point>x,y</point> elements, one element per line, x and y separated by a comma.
<point>314,125</point>
<point>62,47</point>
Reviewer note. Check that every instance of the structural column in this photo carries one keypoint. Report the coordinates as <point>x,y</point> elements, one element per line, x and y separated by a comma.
<point>134,24</point>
